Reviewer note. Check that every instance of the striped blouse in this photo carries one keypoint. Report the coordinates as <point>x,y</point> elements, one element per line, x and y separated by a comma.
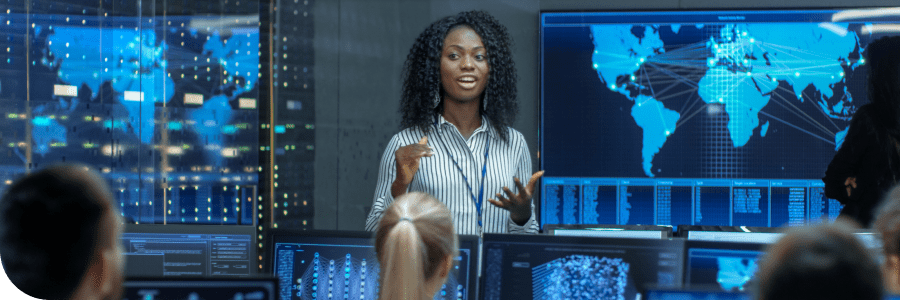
<point>438,176</point>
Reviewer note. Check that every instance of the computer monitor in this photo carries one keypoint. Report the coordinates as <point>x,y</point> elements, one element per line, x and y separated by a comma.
<point>303,259</point>
<point>538,266</point>
<point>678,294</point>
<point>610,231</point>
<point>255,288</point>
<point>698,117</point>
<point>726,266</point>
<point>766,235</point>
<point>731,236</point>
<point>189,250</point>
<point>164,105</point>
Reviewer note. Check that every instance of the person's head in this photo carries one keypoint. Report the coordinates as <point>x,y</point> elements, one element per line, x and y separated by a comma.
<point>465,57</point>
<point>887,224</point>
<point>884,74</point>
<point>416,244</point>
<point>819,262</point>
<point>59,235</point>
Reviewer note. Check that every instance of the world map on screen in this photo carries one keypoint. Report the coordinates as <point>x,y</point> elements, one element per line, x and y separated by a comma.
<point>202,69</point>
<point>736,70</point>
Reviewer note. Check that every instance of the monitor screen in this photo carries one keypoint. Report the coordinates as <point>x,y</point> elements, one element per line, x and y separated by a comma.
<point>163,106</point>
<point>611,233</point>
<point>695,295</point>
<point>730,236</point>
<point>698,117</point>
<point>164,289</point>
<point>189,250</point>
<point>539,266</point>
<point>726,266</point>
<point>304,259</point>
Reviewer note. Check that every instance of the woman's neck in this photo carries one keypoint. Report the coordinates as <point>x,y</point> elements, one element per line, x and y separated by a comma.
<point>464,115</point>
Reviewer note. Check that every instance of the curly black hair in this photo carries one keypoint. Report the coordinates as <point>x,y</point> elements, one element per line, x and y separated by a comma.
<point>422,72</point>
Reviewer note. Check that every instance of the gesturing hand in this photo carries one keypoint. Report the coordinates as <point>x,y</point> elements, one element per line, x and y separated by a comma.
<point>850,183</point>
<point>407,158</point>
<point>518,205</point>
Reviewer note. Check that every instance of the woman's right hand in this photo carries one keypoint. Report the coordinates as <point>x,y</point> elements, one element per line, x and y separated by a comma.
<point>407,158</point>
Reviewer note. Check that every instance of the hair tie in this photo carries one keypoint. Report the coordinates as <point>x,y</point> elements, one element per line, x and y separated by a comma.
<point>404,219</point>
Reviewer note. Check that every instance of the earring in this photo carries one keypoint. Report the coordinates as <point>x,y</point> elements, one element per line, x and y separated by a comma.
<point>437,96</point>
<point>484,102</point>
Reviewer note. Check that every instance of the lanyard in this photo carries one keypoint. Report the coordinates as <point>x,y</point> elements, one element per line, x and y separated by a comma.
<point>480,200</point>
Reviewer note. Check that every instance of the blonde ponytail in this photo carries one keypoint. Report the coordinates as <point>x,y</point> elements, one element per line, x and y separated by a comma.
<point>414,237</point>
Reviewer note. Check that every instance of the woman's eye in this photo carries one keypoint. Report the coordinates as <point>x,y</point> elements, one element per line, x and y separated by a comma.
<point>453,56</point>
<point>480,57</point>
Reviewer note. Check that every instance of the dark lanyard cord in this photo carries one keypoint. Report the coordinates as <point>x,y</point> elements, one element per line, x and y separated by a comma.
<point>480,200</point>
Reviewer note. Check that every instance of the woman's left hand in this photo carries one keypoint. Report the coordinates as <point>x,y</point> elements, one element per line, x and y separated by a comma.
<point>518,205</point>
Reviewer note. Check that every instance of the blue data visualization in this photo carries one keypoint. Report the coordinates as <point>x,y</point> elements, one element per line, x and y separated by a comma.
<point>165,108</point>
<point>747,97</point>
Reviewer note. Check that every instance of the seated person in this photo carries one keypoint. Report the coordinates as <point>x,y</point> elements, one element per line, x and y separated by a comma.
<point>59,235</point>
<point>819,262</point>
<point>887,223</point>
<point>415,244</point>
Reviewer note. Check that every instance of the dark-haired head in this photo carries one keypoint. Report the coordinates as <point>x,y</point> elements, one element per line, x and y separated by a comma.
<point>422,73</point>
<point>819,262</point>
<point>883,60</point>
<point>58,230</point>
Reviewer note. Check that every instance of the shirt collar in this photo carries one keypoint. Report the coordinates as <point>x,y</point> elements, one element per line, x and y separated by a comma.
<point>485,126</point>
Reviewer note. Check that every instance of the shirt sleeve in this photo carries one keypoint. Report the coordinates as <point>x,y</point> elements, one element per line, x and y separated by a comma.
<point>847,159</point>
<point>386,175</point>
<point>523,171</point>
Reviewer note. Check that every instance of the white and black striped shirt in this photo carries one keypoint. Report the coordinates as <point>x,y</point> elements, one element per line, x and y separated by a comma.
<point>438,176</point>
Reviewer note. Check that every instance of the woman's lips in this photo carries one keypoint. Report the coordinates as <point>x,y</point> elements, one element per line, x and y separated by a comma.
<point>467,82</point>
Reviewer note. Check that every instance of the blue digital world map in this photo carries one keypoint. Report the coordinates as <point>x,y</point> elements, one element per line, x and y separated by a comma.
<point>747,63</point>
<point>735,272</point>
<point>137,60</point>
<point>718,100</point>
<point>102,83</point>
<point>158,105</point>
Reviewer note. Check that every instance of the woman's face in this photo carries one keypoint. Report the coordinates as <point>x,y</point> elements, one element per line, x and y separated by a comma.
<point>464,65</point>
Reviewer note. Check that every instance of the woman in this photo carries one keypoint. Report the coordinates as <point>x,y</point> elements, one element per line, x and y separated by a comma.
<point>415,244</point>
<point>868,162</point>
<point>459,98</point>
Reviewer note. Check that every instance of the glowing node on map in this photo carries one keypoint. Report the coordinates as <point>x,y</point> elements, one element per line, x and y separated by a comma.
<point>749,74</point>
<point>711,62</point>
<point>752,40</point>
<point>612,86</point>
<point>668,133</point>
<point>862,61</point>
<point>841,74</point>
<point>633,78</point>
<point>721,100</point>
<point>642,60</point>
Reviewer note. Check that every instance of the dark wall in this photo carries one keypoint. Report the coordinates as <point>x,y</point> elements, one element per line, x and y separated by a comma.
<point>360,47</point>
